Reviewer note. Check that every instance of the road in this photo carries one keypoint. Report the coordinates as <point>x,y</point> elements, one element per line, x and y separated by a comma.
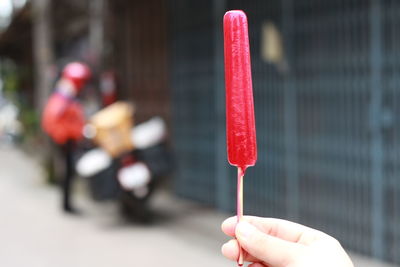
<point>34,233</point>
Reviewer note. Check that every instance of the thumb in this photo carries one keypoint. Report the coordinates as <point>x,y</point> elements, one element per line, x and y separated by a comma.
<point>269,249</point>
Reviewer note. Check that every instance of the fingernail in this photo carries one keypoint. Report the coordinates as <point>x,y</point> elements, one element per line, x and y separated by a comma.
<point>244,229</point>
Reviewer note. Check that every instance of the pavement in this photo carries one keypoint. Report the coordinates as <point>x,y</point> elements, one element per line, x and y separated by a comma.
<point>34,233</point>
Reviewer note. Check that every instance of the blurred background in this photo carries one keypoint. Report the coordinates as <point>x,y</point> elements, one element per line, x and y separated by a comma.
<point>325,75</point>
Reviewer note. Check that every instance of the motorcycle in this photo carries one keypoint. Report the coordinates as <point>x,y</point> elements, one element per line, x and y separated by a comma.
<point>130,177</point>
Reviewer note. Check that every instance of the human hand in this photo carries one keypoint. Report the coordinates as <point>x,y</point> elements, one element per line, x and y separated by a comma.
<point>279,243</point>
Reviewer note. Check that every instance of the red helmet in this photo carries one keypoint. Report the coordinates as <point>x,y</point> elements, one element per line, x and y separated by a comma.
<point>78,73</point>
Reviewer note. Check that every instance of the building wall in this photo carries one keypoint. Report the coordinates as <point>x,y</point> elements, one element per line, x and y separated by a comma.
<point>326,115</point>
<point>193,105</point>
<point>139,40</point>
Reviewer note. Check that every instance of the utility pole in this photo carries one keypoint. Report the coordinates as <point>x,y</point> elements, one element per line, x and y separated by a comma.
<point>43,57</point>
<point>96,33</point>
<point>43,52</point>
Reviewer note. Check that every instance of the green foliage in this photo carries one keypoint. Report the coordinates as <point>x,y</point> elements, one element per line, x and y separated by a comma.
<point>12,76</point>
<point>30,120</point>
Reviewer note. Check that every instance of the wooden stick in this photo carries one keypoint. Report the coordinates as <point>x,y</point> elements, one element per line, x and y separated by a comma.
<point>240,208</point>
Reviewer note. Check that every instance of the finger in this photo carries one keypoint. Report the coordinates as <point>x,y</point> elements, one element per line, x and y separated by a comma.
<point>283,229</point>
<point>287,230</point>
<point>257,264</point>
<point>231,251</point>
<point>228,226</point>
<point>269,249</point>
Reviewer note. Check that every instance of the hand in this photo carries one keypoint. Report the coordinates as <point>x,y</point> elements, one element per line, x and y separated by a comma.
<point>279,243</point>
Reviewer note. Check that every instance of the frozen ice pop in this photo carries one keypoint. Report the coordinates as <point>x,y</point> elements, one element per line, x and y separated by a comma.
<point>240,122</point>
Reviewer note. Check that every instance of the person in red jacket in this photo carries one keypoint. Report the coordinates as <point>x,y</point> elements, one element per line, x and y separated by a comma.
<point>63,119</point>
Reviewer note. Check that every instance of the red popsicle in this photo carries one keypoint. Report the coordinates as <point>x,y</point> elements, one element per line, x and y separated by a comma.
<point>240,122</point>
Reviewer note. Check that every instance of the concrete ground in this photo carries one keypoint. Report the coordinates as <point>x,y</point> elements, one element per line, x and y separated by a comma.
<point>34,233</point>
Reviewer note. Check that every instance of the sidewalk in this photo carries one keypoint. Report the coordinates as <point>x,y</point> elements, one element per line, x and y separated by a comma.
<point>35,233</point>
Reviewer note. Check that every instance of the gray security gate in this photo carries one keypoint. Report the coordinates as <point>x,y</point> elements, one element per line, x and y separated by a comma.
<point>327,124</point>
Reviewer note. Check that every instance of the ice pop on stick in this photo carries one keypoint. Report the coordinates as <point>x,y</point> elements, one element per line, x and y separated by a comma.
<point>240,122</point>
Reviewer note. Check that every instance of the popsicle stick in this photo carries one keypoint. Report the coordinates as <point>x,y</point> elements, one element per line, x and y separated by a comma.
<point>240,208</point>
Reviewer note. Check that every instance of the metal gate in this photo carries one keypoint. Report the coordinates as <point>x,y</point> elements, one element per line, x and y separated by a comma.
<point>328,134</point>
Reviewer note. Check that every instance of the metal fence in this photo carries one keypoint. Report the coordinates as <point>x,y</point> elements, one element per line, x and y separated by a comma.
<point>328,134</point>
